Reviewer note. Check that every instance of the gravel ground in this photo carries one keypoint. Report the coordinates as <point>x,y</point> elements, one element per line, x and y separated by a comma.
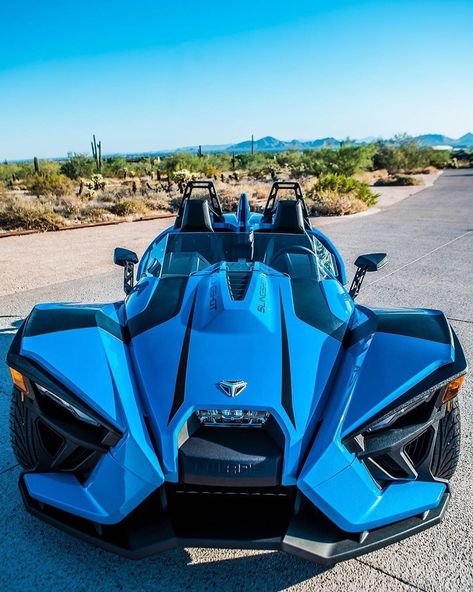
<point>429,238</point>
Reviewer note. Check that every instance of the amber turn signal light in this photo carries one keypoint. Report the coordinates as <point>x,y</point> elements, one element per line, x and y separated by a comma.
<point>19,381</point>
<point>452,389</point>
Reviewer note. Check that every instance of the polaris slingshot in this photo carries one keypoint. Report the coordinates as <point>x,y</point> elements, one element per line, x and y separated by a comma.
<point>238,396</point>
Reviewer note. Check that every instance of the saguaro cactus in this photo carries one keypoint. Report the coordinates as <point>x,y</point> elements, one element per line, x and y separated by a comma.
<point>36,165</point>
<point>97,152</point>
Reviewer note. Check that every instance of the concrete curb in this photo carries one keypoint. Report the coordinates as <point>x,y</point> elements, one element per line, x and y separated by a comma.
<point>89,225</point>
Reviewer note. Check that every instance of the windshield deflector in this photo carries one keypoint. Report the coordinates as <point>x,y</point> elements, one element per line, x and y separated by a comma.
<point>187,253</point>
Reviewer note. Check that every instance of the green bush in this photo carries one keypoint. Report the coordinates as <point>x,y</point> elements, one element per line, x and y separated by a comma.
<point>116,166</point>
<point>15,170</point>
<point>48,185</point>
<point>405,154</point>
<point>17,216</point>
<point>336,195</point>
<point>78,165</point>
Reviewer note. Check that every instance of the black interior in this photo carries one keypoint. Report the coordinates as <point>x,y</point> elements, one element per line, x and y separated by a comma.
<point>196,216</point>
<point>289,217</point>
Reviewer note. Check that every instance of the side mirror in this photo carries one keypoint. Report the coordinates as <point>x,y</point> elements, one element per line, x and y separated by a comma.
<point>364,263</point>
<point>126,259</point>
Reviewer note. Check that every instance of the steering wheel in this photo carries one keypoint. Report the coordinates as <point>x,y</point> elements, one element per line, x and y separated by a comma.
<point>285,251</point>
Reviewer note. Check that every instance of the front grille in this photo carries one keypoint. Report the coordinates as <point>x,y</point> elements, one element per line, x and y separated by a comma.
<point>230,513</point>
<point>238,282</point>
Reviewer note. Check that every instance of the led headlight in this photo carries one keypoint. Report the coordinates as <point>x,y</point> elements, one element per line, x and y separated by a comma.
<point>78,413</point>
<point>387,420</point>
<point>232,417</point>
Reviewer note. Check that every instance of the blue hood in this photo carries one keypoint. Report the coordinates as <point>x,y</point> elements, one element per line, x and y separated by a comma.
<point>266,338</point>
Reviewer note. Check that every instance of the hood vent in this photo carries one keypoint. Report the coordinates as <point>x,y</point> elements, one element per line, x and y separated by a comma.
<point>238,282</point>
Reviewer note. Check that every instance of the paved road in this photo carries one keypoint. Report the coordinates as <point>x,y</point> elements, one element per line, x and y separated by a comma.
<point>429,238</point>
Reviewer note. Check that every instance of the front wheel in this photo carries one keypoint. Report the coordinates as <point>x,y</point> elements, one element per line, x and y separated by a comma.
<point>447,446</point>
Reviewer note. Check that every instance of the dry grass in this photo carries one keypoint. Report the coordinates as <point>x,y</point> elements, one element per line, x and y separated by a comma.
<point>27,216</point>
<point>128,199</point>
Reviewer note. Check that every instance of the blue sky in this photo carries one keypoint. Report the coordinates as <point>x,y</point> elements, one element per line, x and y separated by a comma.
<point>150,75</point>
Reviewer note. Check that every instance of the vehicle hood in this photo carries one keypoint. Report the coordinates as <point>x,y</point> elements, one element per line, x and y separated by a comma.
<point>282,338</point>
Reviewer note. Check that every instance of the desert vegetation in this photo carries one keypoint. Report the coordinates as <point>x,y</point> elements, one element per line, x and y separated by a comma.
<point>50,194</point>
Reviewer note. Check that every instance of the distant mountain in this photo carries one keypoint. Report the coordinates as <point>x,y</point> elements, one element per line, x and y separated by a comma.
<point>266,144</point>
<point>435,140</point>
<point>272,144</point>
<point>466,141</point>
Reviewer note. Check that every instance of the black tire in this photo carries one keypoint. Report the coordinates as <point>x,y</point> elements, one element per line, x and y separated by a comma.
<point>447,445</point>
<point>24,435</point>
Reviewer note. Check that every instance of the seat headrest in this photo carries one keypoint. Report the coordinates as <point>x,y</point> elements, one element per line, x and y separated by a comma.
<point>196,216</point>
<point>288,217</point>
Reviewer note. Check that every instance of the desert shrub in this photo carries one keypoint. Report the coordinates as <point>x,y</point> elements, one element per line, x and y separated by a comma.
<point>405,154</point>
<point>68,207</point>
<point>54,184</point>
<point>337,195</point>
<point>49,167</point>
<point>182,175</point>
<point>158,203</point>
<point>78,165</point>
<point>128,207</point>
<point>22,216</point>
<point>15,171</point>
<point>115,166</point>
<point>397,180</point>
<point>96,214</point>
<point>209,170</point>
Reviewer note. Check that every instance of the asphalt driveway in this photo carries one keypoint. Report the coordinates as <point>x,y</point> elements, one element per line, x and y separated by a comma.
<point>429,238</point>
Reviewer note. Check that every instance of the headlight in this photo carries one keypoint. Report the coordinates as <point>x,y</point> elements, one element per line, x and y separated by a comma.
<point>232,417</point>
<point>450,391</point>
<point>399,444</point>
<point>78,413</point>
<point>387,420</point>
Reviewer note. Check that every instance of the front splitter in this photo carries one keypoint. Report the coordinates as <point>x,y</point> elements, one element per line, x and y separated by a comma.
<point>150,529</point>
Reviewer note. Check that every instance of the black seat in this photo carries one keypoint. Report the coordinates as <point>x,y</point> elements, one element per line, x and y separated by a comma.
<point>196,216</point>
<point>289,217</point>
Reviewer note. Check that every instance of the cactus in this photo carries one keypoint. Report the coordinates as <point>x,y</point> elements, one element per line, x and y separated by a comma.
<point>36,165</point>
<point>252,144</point>
<point>97,152</point>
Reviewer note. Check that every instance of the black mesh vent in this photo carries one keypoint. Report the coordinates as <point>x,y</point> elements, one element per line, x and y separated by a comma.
<point>418,448</point>
<point>238,282</point>
<point>51,441</point>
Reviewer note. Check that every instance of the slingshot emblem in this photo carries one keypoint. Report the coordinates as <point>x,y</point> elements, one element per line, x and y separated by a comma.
<point>232,388</point>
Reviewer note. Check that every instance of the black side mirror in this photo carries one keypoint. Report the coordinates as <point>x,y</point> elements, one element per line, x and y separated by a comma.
<point>364,263</point>
<point>126,259</point>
